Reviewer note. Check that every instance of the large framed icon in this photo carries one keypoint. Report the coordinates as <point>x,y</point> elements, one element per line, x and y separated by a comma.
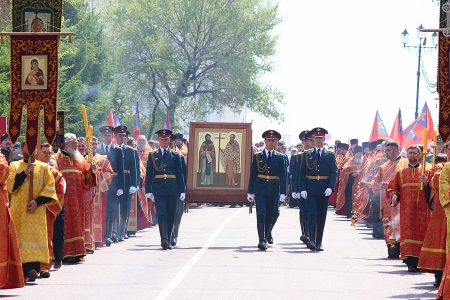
<point>219,160</point>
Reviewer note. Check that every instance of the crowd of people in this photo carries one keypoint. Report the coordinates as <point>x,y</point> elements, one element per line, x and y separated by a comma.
<point>57,207</point>
<point>403,195</point>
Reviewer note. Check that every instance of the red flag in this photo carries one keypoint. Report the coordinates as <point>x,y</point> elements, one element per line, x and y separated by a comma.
<point>166,124</point>
<point>414,133</point>
<point>378,129</point>
<point>137,123</point>
<point>397,129</point>
<point>111,118</point>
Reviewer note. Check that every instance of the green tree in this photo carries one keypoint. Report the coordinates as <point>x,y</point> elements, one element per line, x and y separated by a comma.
<point>195,57</point>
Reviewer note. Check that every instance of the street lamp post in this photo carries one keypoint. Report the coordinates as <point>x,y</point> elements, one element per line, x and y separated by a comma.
<point>421,36</point>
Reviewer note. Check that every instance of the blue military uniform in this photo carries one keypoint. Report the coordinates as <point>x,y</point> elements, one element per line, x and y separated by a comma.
<point>130,176</point>
<point>115,158</point>
<point>268,179</point>
<point>316,176</point>
<point>165,180</point>
<point>302,204</point>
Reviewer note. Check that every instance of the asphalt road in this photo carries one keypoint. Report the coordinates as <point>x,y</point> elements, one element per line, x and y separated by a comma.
<point>217,258</point>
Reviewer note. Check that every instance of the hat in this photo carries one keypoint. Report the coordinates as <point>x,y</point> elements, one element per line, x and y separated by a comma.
<point>106,129</point>
<point>309,135</point>
<point>302,135</point>
<point>120,129</point>
<point>379,141</point>
<point>365,145</point>
<point>344,146</point>
<point>271,134</point>
<point>179,136</point>
<point>127,132</point>
<point>338,145</point>
<point>319,131</point>
<point>164,134</point>
<point>173,137</point>
<point>337,141</point>
<point>357,149</point>
<point>354,141</point>
<point>5,136</point>
<point>373,145</point>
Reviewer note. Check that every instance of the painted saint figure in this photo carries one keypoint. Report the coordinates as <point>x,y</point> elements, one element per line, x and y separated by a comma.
<point>231,161</point>
<point>207,161</point>
<point>36,75</point>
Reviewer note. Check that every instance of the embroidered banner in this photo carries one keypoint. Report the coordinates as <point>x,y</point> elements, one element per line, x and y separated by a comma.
<point>443,80</point>
<point>37,16</point>
<point>34,85</point>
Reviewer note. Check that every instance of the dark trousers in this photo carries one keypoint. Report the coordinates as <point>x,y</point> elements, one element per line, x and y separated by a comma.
<point>112,205</point>
<point>303,213</point>
<point>27,267</point>
<point>266,207</point>
<point>58,236</point>
<point>178,212</point>
<point>317,207</point>
<point>165,209</point>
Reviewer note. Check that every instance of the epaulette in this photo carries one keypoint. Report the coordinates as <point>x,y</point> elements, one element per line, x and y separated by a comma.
<point>309,150</point>
<point>258,152</point>
<point>153,151</point>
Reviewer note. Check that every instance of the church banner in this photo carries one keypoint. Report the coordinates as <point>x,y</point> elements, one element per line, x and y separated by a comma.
<point>443,80</point>
<point>34,85</point>
<point>37,16</point>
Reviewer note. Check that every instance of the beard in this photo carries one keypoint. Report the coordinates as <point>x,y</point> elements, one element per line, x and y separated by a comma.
<point>141,147</point>
<point>75,154</point>
<point>358,160</point>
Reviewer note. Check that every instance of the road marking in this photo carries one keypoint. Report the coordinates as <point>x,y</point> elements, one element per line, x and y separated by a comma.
<point>179,277</point>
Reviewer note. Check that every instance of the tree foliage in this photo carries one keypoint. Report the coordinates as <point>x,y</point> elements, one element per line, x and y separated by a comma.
<point>195,57</point>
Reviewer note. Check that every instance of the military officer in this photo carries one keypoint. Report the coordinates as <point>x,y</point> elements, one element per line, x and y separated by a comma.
<point>130,176</point>
<point>317,179</point>
<point>296,160</point>
<point>267,185</point>
<point>115,157</point>
<point>180,204</point>
<point>107,133</point>
<point>164,184</point>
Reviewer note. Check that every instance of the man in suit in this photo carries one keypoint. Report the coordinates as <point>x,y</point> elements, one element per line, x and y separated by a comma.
<point>116,188</point>
<point>317,179</point>
<point>164,184</point>
<point>107,133</point>
<point>267,185</point>
<point>130,174</point>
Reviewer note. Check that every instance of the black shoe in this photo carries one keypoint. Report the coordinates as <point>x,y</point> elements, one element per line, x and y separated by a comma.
<point>270,239</point>
<point>394,256</point>
<point>319,247</point>
<point>114,239</point>
<point>412,269</point>
<point>121,239</point>
<point>126,237</point>
<point>164,244</point>
<point>173,241</point>
<point>304,239</point>
<point>262,246</point>
<point>108,242</point>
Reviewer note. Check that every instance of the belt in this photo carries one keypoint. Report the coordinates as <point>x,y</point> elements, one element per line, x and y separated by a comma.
<point>267,177</point>
<point>317,177</point>
<point>165,176</point>
<point>126,171</point>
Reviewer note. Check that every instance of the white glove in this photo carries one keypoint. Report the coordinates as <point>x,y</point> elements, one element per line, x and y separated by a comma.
<point>132,190</point>
<point>328,192</point>
<point>137,188</point>
<point>182,196</point>
<point>394,198</point>
<point>119,192</point>
<point>294,195</point>
<point>282,197</point>
<point>304,194</point>
<point>297,195</point>
<point>250,197</point>
<point>150,196</point>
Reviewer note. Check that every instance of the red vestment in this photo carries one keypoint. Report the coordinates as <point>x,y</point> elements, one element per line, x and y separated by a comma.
<point>433,254</point>
<point>389,215</point>
<point>414,212</point>
<point>78,179</point>
<point>11,273</point>
<point>104,174</point>
<point>349,168</point>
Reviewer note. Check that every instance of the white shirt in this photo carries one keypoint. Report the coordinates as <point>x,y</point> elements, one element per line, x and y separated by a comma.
<point>267,153</point>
